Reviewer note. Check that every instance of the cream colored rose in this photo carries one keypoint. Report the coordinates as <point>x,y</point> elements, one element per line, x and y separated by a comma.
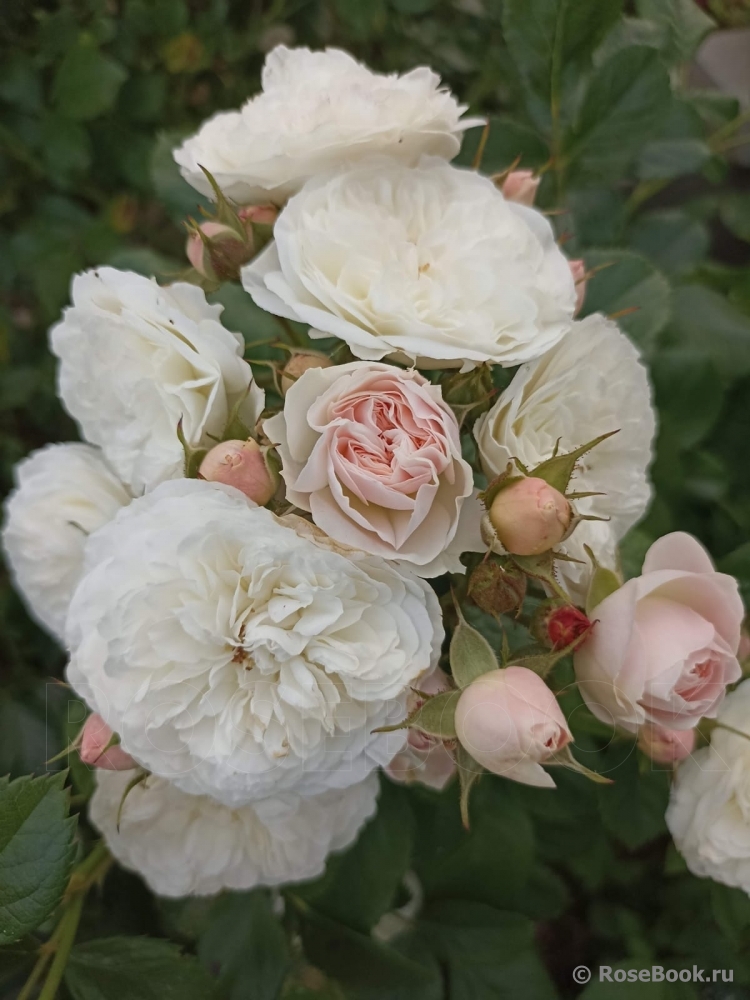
<point>664,646</point>
<point>374,454</point>
<point>316,111</point>
<point>591,383</point>
<point>430,263</point>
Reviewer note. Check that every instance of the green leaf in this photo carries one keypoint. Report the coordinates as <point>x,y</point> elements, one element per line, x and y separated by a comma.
<point>737,564</point>
<point>470,654</point>
<point>633,806</point>
<point>667,158</point>
<point>706,322</point>
<point>734,211</point>
<point>628,281</point>
<point>689,394</point>
<point>672,239</point>
<point>179,198</point>
<point>135,969</point>
<point>488,954</point>
<point>508,141</point>
<point>625,102</point>
<point>365,969</point>
<point>87,82</point>
<point>66,148</point>
<point>685,23</point>
<point>245,947</point>
<point>36,851</point>
<point>361,884</point>
<point>550,40</point>
<point>603,583</point>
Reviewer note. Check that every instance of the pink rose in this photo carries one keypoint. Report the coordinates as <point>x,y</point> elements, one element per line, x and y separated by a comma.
<point>374,453</point>
<point>96,737</point>
<point>424,760</point>
<point>510,722</point>
<point>664,646</point>
<point>666,746</point>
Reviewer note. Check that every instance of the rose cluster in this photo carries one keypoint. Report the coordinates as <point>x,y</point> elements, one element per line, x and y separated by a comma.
<point>254,585</point>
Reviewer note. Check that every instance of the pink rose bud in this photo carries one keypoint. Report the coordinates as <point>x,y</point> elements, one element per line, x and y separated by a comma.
<point>666,746</point>
<point>241,464</point>
<point>261,215</point>
<point>510,722</point>
<point>521,186</point>
<point>95,749</point>
<point>566,624</point>
<point>530,517</point>
<point>223,256</point>
<point>578,270</point>
<point>298,364</point>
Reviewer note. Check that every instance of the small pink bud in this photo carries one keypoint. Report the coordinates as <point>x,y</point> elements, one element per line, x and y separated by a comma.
<point>222,257</point>
<point>565,624</point>
<point>241,464</point>
<point>261,215</point>
<point>666,746</point>
<point>298,364</point>
<point>521,186</point>
<point>510,722</point>
<point>96,737</point>
<point>530,516</point>
<point>578,270</point>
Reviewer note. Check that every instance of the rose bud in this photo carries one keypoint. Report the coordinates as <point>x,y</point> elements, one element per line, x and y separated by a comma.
<point>561,624</point>
<point>298,364</point>
<point>510,722</point>
<point>497,589</point>
<point>578,270</point>
<point>530,516</point>
<point>222,256</point>
<point>521,186</point>
<point>260,215</point>
<point>424,759</point>
<point>241,464</point>
<point>666,746</point>
<point>95,749</point>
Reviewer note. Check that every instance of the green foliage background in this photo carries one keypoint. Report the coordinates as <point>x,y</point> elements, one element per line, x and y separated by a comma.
<point>93,95</point>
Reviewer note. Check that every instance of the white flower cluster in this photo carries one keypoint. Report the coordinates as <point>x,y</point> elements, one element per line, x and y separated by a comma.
<point>248,658</point>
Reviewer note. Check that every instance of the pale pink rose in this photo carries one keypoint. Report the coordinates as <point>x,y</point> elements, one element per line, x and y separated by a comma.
<point>241,464</point>
<point>530,517</point>
<point>521,186</point>
<point>666,746</point>
<point>578,270</point>
<point>424,760</point>
<point>510,722</point>
<point>96,737</point>
<point>374,453</point>
<point>664,646</point>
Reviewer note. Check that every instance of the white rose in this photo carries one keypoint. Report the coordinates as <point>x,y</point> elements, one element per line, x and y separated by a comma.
<point>375,454</point>
<point>62,493</point>
<point>190,845</point>
<point>242,657</point>
<point>135,359</point>
<point>709,807</point>
<point>591,383</point>
<point>430,262</point>
<point>318,110</point>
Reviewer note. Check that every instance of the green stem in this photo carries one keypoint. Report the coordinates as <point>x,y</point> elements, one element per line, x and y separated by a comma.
<point>42,961</point>
<point>68,929</point>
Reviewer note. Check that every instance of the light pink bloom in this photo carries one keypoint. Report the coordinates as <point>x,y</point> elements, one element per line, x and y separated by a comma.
<point>521,186</point>
<point>530,516</point>
<point>664,646</point>
<point>424,760</point>
<point>241,464</point>
<point>510,722</point>
<point>374,453</point>
<point>666,746</point>
<point>95,739</point>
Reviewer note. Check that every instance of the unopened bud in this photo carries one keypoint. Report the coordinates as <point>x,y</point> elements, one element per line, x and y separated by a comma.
<point>557,625</point>
<point>221,254</point>
<point>261,215</point>
<point>666,746</point>
<point>298,364</point>
<point>530,517</point>
<point>578,270</point>
<point>521,186</point>
<point>497,589</point>
<point>98,750</point>
<point>241,464</point>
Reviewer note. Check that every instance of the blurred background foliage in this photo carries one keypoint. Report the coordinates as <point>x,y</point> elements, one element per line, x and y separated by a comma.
<point>638,170</point>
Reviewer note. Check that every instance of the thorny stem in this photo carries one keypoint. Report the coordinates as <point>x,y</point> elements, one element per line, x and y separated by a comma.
<point>68,927</point>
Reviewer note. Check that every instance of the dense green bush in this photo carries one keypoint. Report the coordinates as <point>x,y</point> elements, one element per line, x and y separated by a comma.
<point>93,96</point>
